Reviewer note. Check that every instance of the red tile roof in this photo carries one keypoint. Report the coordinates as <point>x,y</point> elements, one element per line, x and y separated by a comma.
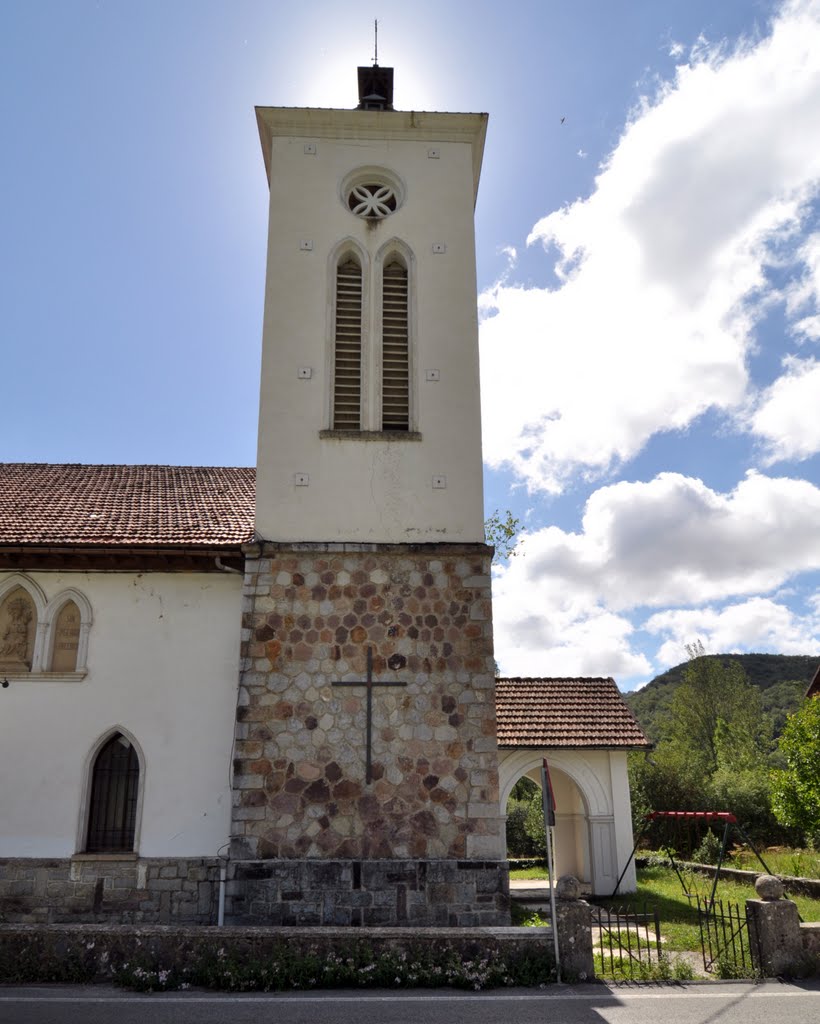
<point>564,713</point>
<point>158,506</point>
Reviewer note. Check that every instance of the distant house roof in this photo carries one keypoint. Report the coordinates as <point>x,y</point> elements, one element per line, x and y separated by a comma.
<point>125,506</point>
<point>814,685</point>
<point>565,713</point>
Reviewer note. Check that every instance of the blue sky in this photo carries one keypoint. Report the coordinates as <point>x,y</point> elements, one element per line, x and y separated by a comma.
<point>649,272</point>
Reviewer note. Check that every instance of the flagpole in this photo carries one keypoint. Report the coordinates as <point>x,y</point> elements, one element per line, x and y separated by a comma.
<point>548,802</point>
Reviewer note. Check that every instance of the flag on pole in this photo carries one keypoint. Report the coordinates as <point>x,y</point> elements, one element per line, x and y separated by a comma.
<point>547,796</point>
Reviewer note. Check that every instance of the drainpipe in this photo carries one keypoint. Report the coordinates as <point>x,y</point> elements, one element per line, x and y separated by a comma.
<point>220,914</point>
<point>226,568</point>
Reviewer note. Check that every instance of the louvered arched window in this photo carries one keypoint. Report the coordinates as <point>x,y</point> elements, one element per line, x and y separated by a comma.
<point>347,378</point>
<point>395,348</point>
<point>112,813</point>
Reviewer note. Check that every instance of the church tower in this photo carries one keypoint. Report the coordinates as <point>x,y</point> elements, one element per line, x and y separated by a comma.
<point>365,775</point>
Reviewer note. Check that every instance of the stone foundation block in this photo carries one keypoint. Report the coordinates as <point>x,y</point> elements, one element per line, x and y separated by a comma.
<point>400,893</point>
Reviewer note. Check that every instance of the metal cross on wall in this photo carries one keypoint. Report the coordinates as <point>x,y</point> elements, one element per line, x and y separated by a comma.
<point>369,684</point>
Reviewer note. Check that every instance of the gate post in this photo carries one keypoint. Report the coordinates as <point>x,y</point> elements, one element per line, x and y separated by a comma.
<point>574,922</point>
<point>774,929</point>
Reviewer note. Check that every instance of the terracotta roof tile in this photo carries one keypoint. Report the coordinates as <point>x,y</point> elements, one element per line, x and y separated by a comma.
<point>117,506</point>
<point>564,713</point>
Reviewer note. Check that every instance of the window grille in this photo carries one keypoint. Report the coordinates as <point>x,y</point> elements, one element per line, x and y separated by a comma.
<point>347,380</point>
<point>372,200</point>
<point>395,349</point>
<point>114,786</point>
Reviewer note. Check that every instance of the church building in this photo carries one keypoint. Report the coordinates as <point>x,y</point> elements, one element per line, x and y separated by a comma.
<point>269,697</point>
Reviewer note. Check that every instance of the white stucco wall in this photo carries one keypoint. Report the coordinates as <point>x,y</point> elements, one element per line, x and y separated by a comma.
<point>593,819</point>
<point>163,656</point>
<point>370,490</point>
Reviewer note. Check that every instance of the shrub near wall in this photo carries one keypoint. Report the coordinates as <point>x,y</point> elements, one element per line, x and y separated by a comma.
<point>235,959</point>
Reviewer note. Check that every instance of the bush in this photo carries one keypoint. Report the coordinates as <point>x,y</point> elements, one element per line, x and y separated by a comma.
<point>535,825</point>
<point>709,850</point>
<point>519,843</point>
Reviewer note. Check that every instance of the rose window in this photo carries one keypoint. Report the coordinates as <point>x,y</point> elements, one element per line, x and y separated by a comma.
<point>372,200</point>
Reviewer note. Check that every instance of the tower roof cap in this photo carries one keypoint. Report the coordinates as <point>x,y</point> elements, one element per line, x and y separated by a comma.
<point>375,88</point>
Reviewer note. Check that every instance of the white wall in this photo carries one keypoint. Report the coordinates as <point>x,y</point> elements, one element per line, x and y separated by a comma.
<point>163,657</point>
<point>370,491</point>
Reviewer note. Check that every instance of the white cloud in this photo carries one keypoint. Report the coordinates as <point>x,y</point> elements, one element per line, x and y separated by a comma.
<point>537,634</point>
<point>757,624</point>
<point>788,416</point>
<point>563,606</point>
<point>662,268</point>
<point>675,541</point>
<point>805,291</point>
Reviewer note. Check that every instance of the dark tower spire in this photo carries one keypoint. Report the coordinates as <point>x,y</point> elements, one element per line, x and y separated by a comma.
<point>375,83</point>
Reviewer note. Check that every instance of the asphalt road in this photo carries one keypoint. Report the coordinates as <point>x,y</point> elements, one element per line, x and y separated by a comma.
<point>771,1002</point>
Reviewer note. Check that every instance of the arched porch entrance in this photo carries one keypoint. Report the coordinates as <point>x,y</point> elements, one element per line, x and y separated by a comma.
<point>587,841</point>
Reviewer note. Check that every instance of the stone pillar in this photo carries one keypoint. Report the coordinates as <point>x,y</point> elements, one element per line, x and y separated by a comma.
<point>774,929</point>
<point>574,922</point>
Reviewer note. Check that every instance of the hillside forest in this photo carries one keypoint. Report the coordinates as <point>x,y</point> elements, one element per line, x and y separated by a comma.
<point>731,732</point>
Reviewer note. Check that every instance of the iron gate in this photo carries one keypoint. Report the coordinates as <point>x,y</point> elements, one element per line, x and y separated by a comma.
<point>725,938</point>
<point>626,940</point>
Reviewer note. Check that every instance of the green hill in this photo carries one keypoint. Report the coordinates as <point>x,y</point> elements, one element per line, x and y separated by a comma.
<point>782,678</point>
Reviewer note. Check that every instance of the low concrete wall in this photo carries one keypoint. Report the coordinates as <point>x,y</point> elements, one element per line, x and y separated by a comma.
<point>802,886</point>
<point>810,939</point>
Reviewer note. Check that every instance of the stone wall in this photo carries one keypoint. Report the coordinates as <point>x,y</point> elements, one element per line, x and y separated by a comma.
<point>72,953</point>
<point>301,790</point>
<point>459,894</point>
<point>115,889</point>
<point>119,890</point>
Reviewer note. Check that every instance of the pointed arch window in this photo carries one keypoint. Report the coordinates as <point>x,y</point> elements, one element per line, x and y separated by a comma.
<point>112,814</point>
<point>395,413</point>
<point>347,361</point>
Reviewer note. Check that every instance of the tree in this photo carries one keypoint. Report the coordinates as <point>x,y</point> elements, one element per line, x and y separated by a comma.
<point>717,716</point>
<point>714,749</point>
<point>796,788</point>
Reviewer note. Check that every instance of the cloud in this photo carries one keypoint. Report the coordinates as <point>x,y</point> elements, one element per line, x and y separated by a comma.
<point>662,269</point>
<point>565,605</point>
<point>757,624</point>
<point>788,416</point>
<point>804,293</point>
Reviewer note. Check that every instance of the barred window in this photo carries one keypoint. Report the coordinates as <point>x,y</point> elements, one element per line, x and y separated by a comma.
<point>114,787</point>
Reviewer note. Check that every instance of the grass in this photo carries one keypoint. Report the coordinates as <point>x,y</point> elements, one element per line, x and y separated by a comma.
<point>529,873</point>
<point>659,887</point>
<point>782,861</point>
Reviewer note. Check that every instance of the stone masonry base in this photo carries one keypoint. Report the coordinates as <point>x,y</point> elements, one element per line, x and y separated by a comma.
<point>117,890</point>
<point>416,893</point>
